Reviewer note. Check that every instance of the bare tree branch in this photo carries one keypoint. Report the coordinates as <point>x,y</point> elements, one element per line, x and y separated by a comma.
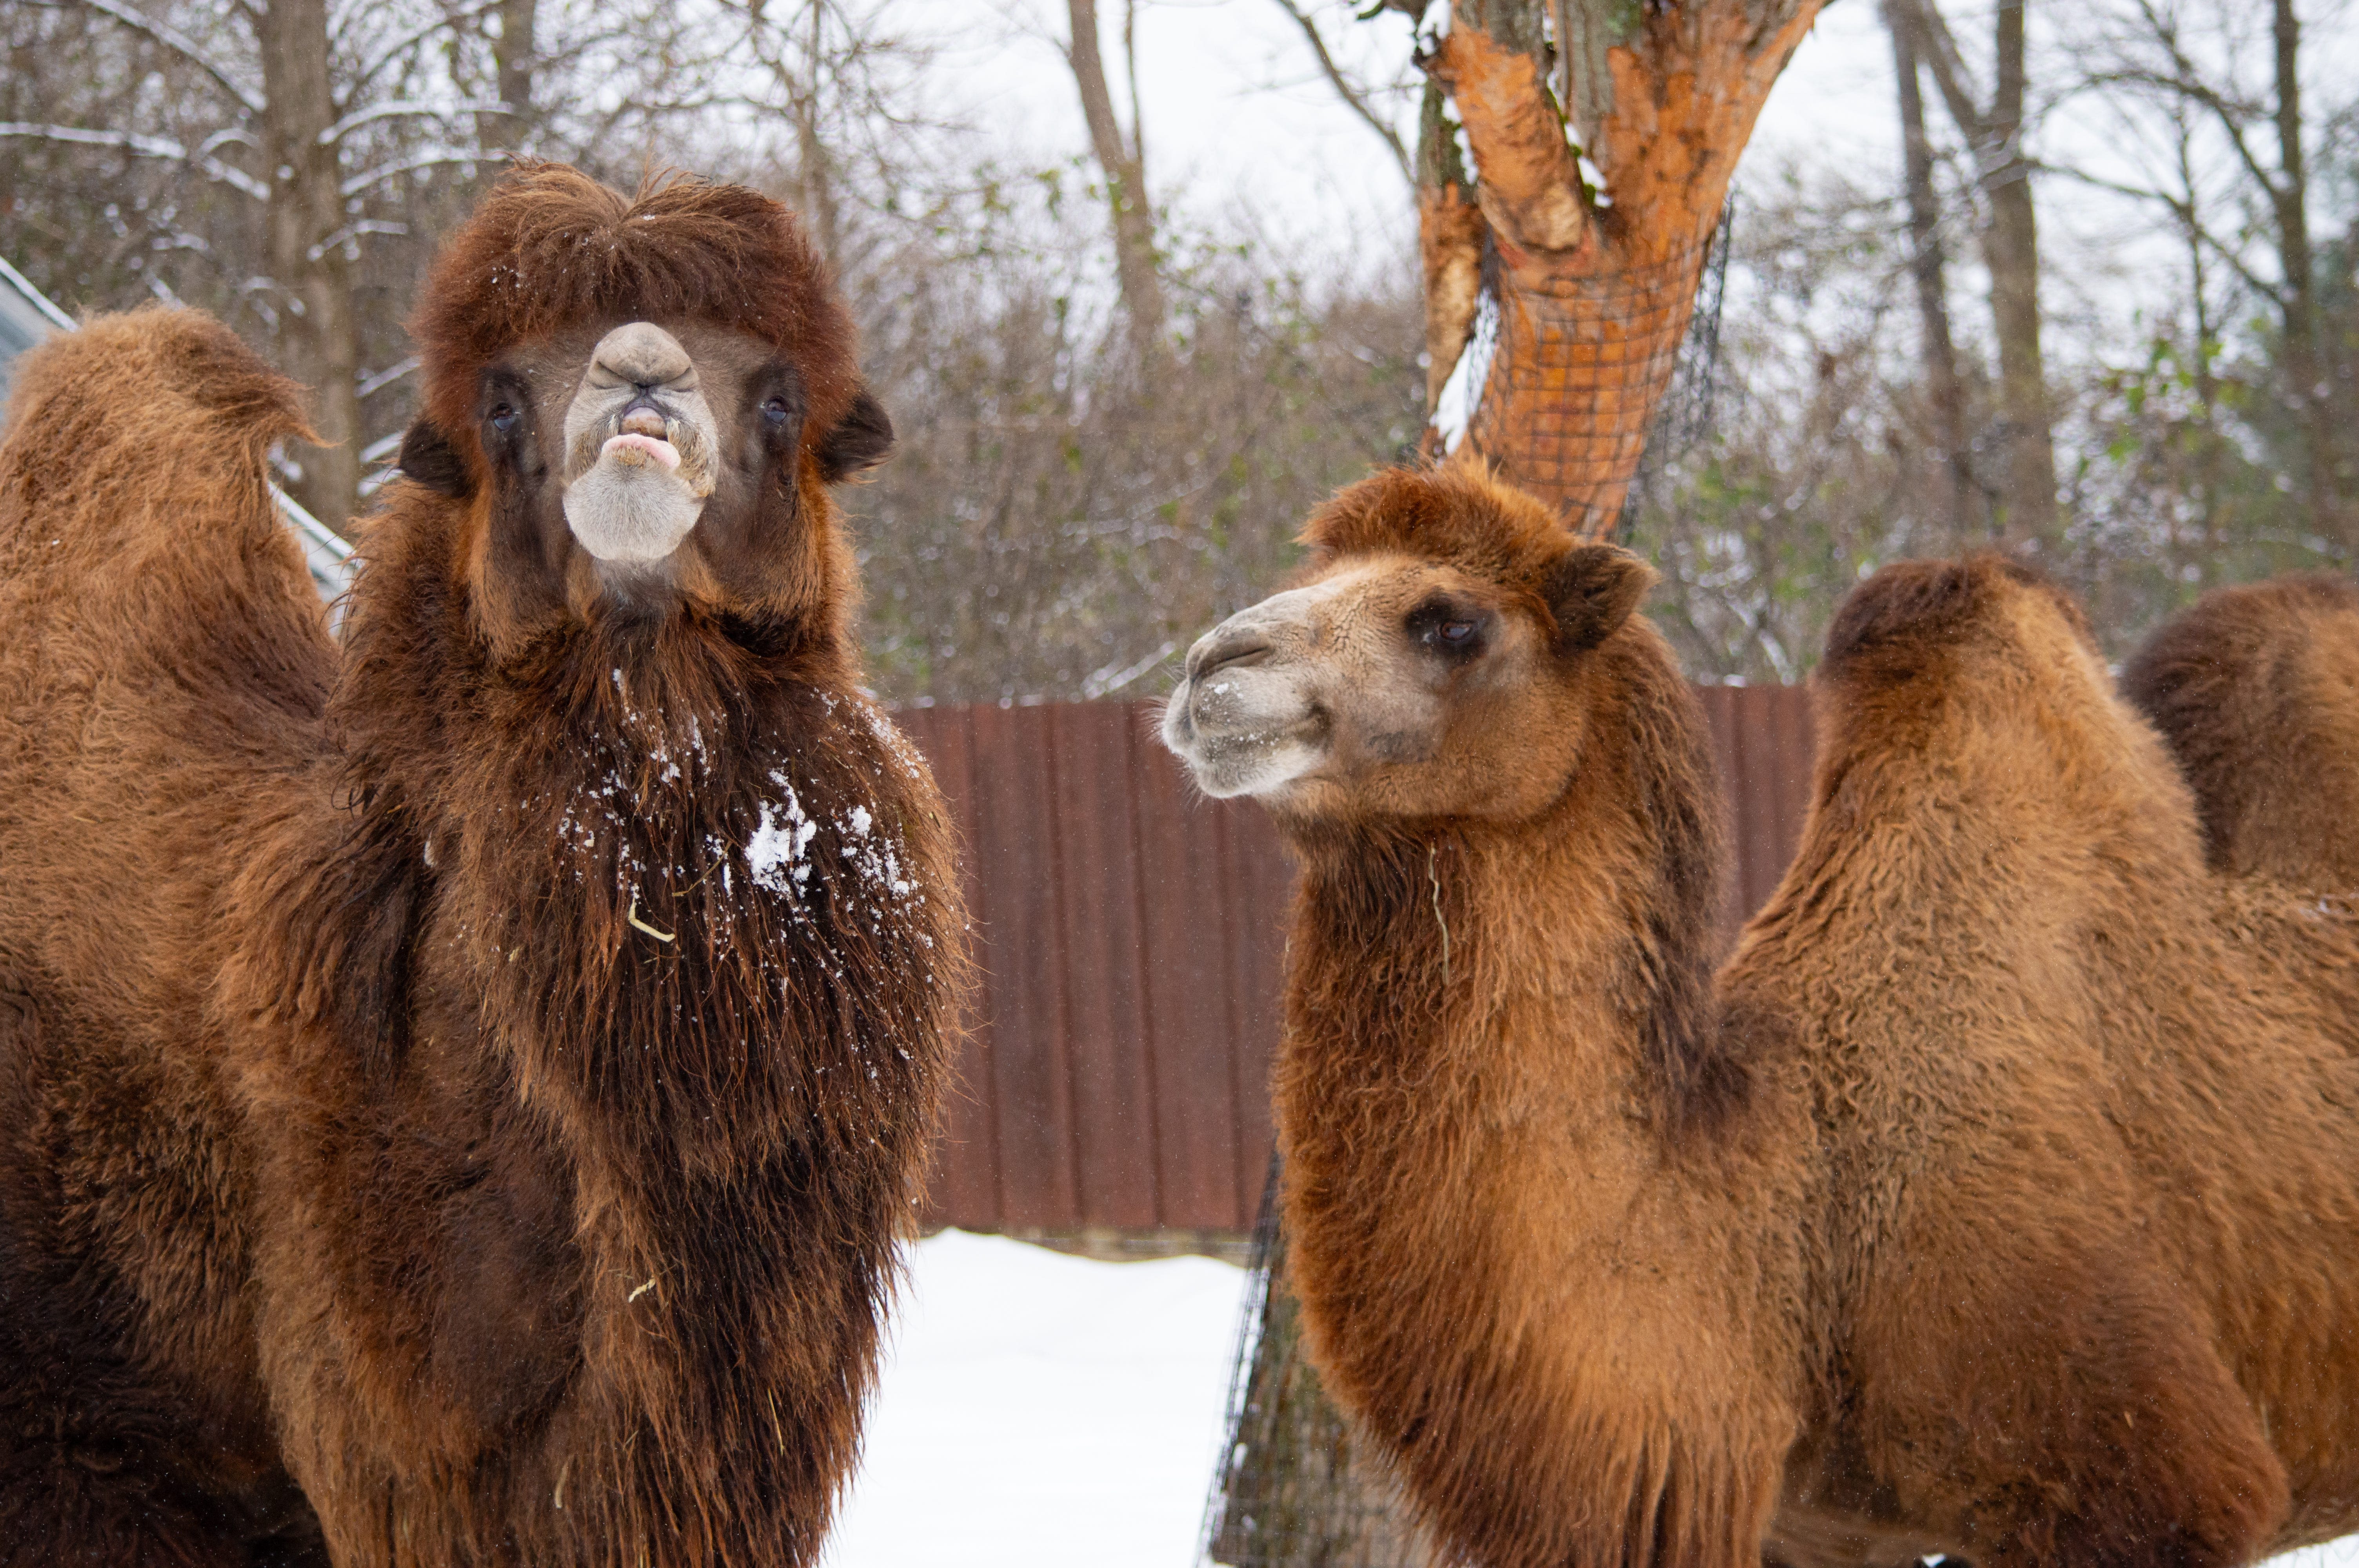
<point>1939,50</point>
<point>1353,98</point>
<point>408,41</point>
<point>146,146</point>
<point>441,157</point>
<point>399,109</point>
<point>355,230</point>
<point>179,42</point>
<point>2184,211</point>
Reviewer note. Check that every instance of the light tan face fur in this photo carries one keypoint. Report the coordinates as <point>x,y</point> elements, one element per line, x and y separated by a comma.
<point>640,446</point>
<point>1389,686</point>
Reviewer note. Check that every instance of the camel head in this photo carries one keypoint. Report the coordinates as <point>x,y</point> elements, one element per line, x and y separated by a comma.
<point>639,402</point>
<point>1436,658</point>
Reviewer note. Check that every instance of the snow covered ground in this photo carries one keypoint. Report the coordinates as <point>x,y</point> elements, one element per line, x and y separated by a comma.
<point>1046,1412</point>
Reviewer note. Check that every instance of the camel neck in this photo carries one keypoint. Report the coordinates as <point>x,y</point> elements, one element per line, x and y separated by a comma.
<point>1521,1151</point>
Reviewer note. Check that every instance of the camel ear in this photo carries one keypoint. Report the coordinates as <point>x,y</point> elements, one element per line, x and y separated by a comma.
<point>861,439</point>
<point>429,458</point>
<point>1592,591</point>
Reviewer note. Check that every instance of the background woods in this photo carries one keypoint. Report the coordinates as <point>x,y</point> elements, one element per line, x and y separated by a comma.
<point>2088,289</point>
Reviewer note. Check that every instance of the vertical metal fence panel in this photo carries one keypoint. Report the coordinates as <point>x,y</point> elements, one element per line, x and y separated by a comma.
<point>1261,882</point>
<point>965,1185</point>
<point>1720,712</point>
<point>1131,936</point>
<point>1105,947</point>
<point>1187,977</point>
<point>1017,846</point>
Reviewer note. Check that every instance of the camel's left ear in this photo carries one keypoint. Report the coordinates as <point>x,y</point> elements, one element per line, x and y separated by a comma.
<point>861,439</point>
<point>429,458</point>
<point>1592,591</point>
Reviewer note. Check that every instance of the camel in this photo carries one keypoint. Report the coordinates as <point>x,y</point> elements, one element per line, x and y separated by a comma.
<point>1994,1199</point>
<point>2256,691</point>
<point>461,1088</point>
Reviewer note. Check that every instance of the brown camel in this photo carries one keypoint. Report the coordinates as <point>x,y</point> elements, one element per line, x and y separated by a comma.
<point>459,1090</point>
<point>2257,690</point>
<point>1997,1199</point>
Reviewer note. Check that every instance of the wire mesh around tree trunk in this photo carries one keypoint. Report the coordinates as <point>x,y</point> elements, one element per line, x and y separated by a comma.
<point>1688,405</point>
<point>1297,1488</point>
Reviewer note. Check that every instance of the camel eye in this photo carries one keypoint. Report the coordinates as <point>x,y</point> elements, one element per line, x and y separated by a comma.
<point>775,411</point>
<point>1457,633</point>
<point>503,418</point>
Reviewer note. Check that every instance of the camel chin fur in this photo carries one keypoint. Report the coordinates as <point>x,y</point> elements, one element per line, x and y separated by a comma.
<point>628,508</point>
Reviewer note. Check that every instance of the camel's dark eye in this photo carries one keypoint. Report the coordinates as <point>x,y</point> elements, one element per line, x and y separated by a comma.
<point>775,411</point>
<point>503,418</point>
<point>1449,625</point>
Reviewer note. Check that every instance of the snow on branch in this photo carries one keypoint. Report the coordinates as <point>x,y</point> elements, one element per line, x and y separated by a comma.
<point>439,157</point>
<point>351,232</point>
<point>146,146</point>
<point>180,43</point>
<point>379,380</point>
<point>401,109</point>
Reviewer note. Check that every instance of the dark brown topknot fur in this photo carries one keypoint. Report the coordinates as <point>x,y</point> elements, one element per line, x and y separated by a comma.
<point>551,247</point>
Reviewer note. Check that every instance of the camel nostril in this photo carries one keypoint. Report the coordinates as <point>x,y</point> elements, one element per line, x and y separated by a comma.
<point>1227,653</point>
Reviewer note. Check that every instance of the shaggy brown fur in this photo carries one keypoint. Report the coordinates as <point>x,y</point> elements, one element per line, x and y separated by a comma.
<point>1998,1201</point>
<point>2256,689</point>
<point>469,1084</point>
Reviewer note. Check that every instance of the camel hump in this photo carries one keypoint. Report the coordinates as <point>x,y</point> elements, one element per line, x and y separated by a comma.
<point>137,446</point>
<point>152,373</point>
<point>1913,609</point>
<point>2256,689</point>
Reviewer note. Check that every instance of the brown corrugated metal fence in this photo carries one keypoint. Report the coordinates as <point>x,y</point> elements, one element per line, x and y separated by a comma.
<point>1129,933</point>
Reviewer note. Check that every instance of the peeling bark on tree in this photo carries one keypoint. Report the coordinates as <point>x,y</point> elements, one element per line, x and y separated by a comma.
<point>1594,285</point>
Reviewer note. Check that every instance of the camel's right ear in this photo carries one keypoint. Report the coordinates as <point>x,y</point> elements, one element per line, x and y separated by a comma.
<point>429,458</point>
<point>1592,591</point>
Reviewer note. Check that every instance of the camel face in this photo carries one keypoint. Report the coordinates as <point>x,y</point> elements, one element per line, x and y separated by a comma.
<point>1364,686</point>
<point>639,403</point>
<point>644,463</point>
<point>1433,671</point>
<point>640,445</point>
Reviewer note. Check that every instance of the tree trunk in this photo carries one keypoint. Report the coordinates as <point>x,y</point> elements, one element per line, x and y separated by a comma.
<point>814,170</point>
<point>1593,287</point>
<point>1945,392</point>
<point>2308,390</point>
<point>318,328</point>
<point>1450,243</point>
<point>512,62</point>
<point>1123,163</point>
<point>2011,251</point>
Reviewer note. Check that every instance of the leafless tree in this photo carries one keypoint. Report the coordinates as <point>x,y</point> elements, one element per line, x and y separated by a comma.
<point>1561,268</point>
<point>1945,387</point>
<point>1122,160</point>
<point>2206,86</point>
<point>1993,123</point>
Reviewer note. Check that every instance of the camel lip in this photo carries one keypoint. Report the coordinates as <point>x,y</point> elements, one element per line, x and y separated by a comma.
<point>1249,756</point>
<point>632,449</point>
